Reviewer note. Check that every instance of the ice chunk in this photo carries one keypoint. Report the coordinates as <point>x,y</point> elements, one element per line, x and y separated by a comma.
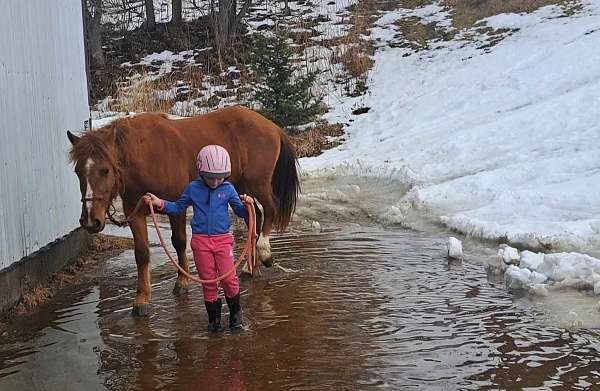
<point>316,226</point>
<point>537,278</point>
<point>539,289</point>
<point>509,255</point>
<point>531,260</point>
<point>517,278</point>
<point>454,248</point>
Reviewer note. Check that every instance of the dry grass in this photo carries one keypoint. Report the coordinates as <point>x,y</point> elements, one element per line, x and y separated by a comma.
<point>312,141</point>
<point>34,298</point>
<point>355,61</point>
<point>411,4</point>
<point>465,13</point>
<point>197,92</point>
<point>418,36</point>
<point>139,92</point>
<point>353,50</point>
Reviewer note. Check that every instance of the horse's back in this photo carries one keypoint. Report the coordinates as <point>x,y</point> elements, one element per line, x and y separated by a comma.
<point>252,140</point>
<point>234,120</point>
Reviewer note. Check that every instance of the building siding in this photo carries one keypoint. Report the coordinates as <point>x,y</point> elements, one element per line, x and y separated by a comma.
<point>43,92</point>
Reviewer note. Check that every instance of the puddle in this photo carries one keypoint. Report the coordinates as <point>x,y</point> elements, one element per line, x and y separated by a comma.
<point>362,306</point>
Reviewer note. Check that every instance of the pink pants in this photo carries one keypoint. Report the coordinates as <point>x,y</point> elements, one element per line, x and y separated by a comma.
<point>213,255</point>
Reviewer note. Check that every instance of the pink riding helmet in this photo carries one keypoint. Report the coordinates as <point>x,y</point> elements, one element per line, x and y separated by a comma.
<point>213,162</point>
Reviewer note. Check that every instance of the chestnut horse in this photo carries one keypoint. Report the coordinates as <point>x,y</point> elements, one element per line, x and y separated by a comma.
<point>151,153</point>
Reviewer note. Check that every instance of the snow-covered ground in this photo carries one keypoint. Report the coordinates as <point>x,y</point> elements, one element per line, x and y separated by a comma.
<point>500,142</point>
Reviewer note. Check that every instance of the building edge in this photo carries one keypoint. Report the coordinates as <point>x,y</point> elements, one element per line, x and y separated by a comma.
<point>35,270</point>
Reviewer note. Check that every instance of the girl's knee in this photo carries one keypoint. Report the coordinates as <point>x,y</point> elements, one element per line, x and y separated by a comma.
<point>231,286</point>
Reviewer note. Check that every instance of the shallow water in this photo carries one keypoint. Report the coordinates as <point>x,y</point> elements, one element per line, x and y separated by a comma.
<point>359,306</point>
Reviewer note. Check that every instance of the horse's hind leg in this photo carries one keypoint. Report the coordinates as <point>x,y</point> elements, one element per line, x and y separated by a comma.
<point>142,260</point>
<point>259,216</point>
<point>178,238</point>
<point>263,246</point>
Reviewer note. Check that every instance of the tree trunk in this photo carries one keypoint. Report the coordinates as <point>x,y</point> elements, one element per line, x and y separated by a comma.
<point>226,21</point>
<point>177,12</point>
<point>150,21</point>
<point>286,9</point>
<point>238,18</point>
<point>93,33</point>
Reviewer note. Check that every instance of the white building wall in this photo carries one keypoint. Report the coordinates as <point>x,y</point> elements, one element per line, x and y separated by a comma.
<point>42,94</point>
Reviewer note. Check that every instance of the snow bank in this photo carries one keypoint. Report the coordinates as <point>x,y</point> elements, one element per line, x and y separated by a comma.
<point>500,142</point>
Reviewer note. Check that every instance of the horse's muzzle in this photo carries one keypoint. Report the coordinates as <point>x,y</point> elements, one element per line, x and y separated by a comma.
<point>94,226</point>
<point>268,262</point>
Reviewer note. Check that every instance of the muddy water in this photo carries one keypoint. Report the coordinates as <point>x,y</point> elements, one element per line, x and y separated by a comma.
<point>354,305</point>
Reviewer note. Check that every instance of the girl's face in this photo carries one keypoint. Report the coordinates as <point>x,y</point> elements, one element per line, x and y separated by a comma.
<point>213,183</point>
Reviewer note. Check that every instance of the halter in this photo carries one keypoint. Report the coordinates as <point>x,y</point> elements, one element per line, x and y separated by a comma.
<point>111,210</point>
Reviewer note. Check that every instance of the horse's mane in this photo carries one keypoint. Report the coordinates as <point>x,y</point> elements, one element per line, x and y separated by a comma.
<point>98,142</point>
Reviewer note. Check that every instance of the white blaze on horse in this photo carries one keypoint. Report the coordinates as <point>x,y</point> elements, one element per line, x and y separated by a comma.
<point>151,153</point>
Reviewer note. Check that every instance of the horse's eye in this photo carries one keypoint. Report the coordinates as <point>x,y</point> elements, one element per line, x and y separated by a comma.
<point>104,172</point>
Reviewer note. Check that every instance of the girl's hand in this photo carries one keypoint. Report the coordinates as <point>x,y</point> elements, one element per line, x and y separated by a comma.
<point>247,199</point>
<point>150,198</point>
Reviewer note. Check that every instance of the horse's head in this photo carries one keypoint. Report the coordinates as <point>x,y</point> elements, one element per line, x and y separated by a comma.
<point>97,168</point>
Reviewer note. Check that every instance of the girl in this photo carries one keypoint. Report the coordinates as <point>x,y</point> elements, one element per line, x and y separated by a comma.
<point>212,243</point>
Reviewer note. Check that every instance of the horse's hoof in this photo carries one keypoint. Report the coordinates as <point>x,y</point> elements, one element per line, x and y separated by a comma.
<point>268,262</point>
<point>179,289</point>
<point>140,310</point>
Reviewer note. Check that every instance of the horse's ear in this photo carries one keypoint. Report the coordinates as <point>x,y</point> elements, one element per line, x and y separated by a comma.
<point>72,138</point>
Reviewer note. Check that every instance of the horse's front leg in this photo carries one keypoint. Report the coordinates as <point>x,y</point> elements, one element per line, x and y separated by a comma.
<point>139,229</point>
<point>178,238</point>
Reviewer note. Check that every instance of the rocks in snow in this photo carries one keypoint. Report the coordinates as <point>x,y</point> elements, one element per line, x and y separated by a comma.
<point>454,248</point>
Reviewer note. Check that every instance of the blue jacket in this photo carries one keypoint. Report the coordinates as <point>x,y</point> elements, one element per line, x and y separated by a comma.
<point>210,206</point>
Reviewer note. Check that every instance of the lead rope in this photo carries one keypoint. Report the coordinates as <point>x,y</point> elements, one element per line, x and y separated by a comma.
<point>248,252</point>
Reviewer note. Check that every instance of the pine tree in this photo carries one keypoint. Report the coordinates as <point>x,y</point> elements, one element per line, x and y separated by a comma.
<point>283,96</point>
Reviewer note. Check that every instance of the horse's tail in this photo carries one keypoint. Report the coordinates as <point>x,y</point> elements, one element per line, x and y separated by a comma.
<point>285,183</point>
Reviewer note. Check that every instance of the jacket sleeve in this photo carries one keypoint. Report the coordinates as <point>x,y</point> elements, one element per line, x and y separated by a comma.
<point>179,206</point>
<point>236,204</point>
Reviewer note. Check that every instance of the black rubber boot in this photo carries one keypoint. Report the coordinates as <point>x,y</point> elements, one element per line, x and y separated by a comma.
<point>235,312</point>
<point>213,308</point>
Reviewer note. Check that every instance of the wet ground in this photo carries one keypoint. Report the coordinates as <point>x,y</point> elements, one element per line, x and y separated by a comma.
<point>356,304</point>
